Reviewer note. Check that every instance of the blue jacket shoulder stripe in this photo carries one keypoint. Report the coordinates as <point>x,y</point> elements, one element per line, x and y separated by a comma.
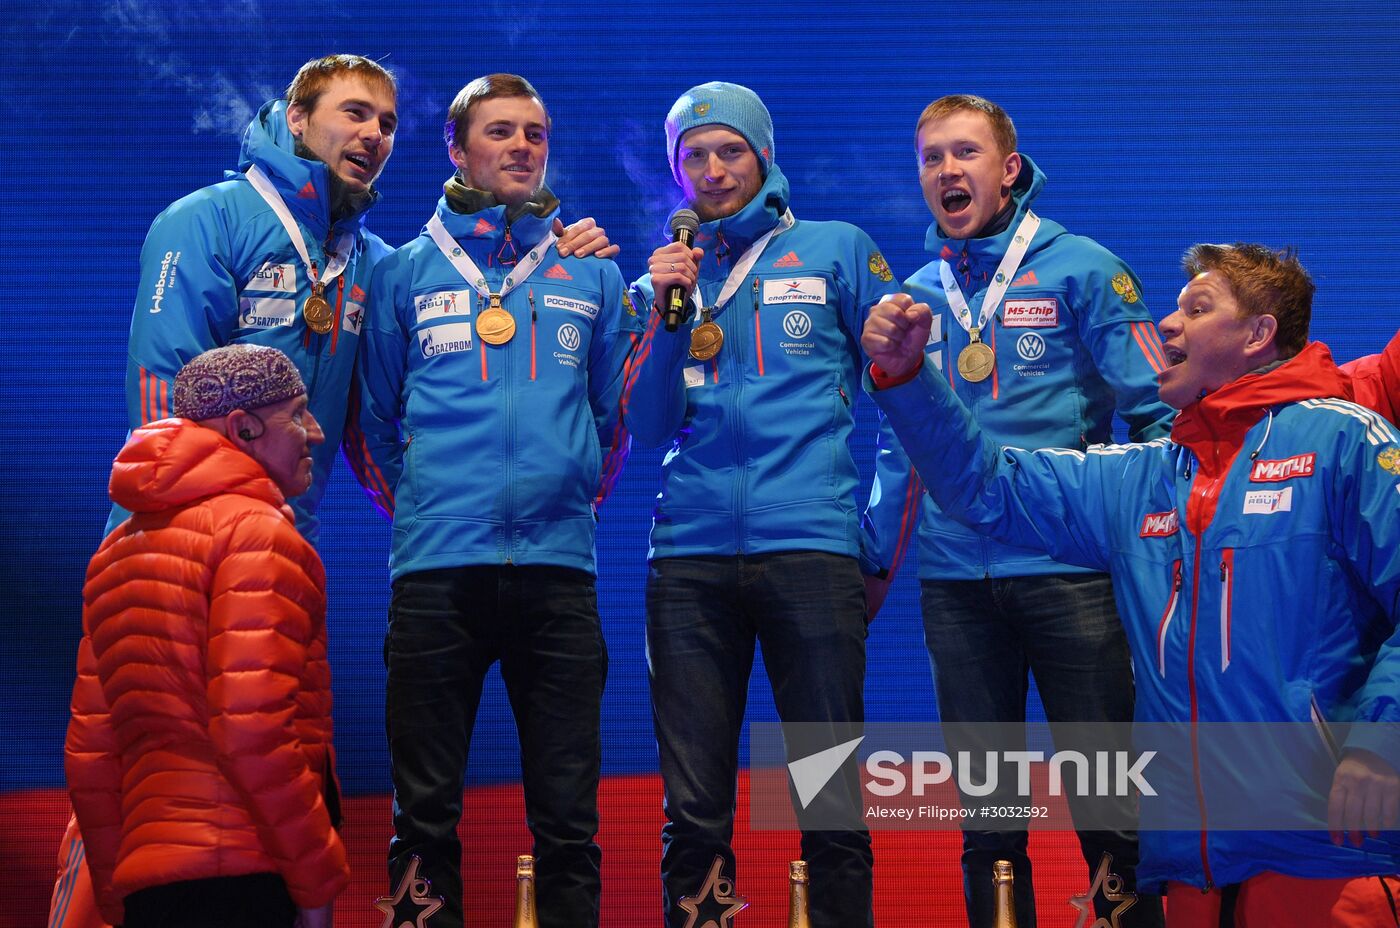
<point>1378,430</point>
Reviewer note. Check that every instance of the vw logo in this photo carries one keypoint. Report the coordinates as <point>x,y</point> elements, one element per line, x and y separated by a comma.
<point>1031,347</point>
<point>568,337</point>
<point>797,324</point>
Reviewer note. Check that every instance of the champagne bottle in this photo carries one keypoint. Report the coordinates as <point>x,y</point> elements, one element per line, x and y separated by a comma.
<point>525,893</point>
<point>798,916</point>
<point>1004,911</point>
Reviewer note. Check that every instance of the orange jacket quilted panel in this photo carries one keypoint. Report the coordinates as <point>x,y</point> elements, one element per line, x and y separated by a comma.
<point>200,739</point>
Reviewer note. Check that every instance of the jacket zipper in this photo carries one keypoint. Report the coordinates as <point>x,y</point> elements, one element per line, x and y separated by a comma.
<point>1195,714</point>
<point>757,328</point>
<point>530,294</point>
<point>736,366</point>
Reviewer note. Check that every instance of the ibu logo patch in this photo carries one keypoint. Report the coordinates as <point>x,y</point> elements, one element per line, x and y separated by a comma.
<point>443,303</point>
<point>281,278</point>
<point>1030,314</point>
<point>445,339</point>
<point>1264,502</point>
<point>1158,524</point>
<point>265,312</point>
<point>1300,465</point>
<point>794,290</point>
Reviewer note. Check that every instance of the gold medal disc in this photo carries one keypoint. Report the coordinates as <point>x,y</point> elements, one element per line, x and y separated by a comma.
<point>317,312</point>
<point>495,326</point>
<point>976,361</point>
<point>706,339</point>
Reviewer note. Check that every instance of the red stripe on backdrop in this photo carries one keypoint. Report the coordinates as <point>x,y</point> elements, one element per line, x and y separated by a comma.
<point>918,881</point>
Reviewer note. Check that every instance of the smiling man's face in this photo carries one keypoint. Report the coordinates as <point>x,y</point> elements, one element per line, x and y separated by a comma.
<point>350,127</point>
<point>506,149</point>
<point>965,176</point>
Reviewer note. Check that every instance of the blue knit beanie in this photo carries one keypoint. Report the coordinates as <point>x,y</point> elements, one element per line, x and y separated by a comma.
<point>724,104</point>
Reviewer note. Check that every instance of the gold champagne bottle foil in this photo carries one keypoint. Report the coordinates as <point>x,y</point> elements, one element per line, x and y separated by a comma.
<point>1004,903</point>
<point>799,916</point>
<point>525,916</point>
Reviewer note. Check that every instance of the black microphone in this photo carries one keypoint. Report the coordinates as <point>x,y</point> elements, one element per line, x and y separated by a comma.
<point>684,225</point>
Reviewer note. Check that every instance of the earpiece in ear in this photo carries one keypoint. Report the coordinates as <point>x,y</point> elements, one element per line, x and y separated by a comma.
<point>245,434</point>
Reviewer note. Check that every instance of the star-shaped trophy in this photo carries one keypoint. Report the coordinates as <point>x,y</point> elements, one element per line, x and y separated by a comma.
<point>410,905</point>
<point>715,905</point>
<point>1111,885</point>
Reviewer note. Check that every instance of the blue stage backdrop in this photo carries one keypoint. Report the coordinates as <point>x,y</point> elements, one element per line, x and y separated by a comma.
<point>1159,125</point>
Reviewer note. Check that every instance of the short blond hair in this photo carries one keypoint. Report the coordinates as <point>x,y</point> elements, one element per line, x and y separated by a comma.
<point>1003,130</point>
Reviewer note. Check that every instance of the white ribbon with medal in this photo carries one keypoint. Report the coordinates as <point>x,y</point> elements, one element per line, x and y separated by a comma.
<point>707,338</point>
<point>977,360</point>
<point>496,326</point>
<point>317,312</point>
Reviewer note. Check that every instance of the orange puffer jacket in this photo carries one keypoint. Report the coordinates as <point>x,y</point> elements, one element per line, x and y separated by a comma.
<point>200,740</point>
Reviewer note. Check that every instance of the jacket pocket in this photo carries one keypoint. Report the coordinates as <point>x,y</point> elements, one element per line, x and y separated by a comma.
<point>1324,731</point>
<point>1227,583</point>
<point>1168,614</point>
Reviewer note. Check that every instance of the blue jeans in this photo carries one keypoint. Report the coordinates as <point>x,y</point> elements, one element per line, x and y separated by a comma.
<point>704,614</point>
<point>446,628</point>
<point>984,637</point>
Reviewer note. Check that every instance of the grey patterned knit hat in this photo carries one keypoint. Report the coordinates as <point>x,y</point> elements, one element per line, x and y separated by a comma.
<point>235,377</point>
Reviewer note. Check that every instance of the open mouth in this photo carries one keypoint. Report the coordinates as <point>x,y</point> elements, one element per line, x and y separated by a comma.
<point>1174,355</point>
<point>955,201</point>
<point>518,169</point>
<point>359,161</point>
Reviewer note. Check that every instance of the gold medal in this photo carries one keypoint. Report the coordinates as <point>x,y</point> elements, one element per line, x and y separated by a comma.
<point>706,339</point>
<point>976,361</point>
<point>495,325</point>
<point>317,312</point>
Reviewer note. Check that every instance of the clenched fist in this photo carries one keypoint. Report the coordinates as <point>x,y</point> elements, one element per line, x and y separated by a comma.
<point>896,332</point>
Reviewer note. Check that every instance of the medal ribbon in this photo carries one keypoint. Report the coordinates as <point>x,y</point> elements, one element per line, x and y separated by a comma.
<point>338,260</point>
<point>1010,261</point>
<point>465,266</point>
<point>745,263</point>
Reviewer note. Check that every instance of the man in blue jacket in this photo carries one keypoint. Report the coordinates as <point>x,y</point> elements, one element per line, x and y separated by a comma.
<point>491,370</point>
<point>757,535</point>
<point>1042,334</point>
<point>1256,562</point>
<point>277,254</point>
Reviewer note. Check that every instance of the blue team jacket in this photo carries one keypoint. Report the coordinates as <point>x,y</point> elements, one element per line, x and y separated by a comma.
<point>489,454</point>
<point>1073,340</point>
<point>1256,563</point>
<point>217,268</point>
<point>759,460</point>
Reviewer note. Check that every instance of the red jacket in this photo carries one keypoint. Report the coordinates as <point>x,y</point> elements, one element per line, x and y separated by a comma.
<point>200,740</point>
<point>1375,380</point>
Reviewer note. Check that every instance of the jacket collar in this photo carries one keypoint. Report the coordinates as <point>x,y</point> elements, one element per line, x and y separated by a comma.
<point>479,223</point>
<point>305,184</point>
<point>1217,422</point>
<point>175,462</point>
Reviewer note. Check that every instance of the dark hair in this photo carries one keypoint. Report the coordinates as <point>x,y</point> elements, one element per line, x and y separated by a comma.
<point>489,87</point>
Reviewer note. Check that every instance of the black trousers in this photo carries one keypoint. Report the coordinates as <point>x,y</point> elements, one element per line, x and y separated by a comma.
<point>446,628</point>
<point>257,900</point>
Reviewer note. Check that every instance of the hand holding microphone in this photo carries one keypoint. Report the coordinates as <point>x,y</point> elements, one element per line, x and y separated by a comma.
<point>675,267</point>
